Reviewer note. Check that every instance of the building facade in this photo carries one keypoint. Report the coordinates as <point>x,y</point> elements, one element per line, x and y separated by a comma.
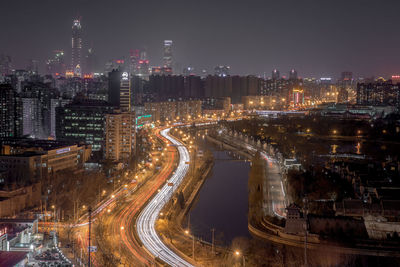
<point>120,136</point>
<point>83,121</point>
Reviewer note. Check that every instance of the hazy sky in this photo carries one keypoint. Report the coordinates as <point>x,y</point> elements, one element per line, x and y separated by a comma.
<point>316,37</point>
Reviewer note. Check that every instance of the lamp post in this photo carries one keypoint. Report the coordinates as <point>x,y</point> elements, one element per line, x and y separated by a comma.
<point>188,233</point>
<point>237,253</point>
<point>305,200</point>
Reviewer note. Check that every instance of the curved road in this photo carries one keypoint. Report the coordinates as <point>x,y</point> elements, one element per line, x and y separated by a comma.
<point>145,225</point>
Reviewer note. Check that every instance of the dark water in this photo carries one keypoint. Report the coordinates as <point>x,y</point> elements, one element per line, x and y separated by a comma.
<point>222,202</point>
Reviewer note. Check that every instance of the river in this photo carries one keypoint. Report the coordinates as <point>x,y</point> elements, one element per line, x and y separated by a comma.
<point>222,202</point>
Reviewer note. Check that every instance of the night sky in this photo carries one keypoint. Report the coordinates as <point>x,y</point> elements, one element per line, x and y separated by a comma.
<point>318,38</point>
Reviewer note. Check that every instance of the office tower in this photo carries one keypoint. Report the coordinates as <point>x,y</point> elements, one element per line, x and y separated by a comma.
<point>204,73</point>
<point>125,92</point>
<point>119,87</point>
<point>379,92</point>
<point>33,66</point>
<point>347,76</point>
<point>293,74</point>
<point>222,71</point>
<point>76,66</point>
<point>55,65</point>
<point>5,65</point>
<point>395,79</point>
<point>36,101</point>
<point>134,62</point>
<point>188,71</point>
<point>10,112</point>
<point>114,85</point>
<point>167,54</point>
<point>275,74</point>
<point>83,121</point>
<point>137,90</point>
<point>143,65</point>
<point>90,62</point>
<point>120,136</point>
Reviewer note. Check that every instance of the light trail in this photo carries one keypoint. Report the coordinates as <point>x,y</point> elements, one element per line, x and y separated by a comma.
<point>146,221</point>
<point>280,202</point>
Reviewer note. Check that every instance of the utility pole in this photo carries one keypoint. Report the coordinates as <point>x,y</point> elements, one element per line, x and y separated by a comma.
<point>193,245</point>
<point>90,222</point>
<point>305,200</point>
<point>212,240</point>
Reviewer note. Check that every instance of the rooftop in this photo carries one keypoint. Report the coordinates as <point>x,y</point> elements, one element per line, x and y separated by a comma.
<point>11,258</point>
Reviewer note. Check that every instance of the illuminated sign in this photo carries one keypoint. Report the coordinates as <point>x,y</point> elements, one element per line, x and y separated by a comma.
<point>63,150</point>
<point>125,76</point>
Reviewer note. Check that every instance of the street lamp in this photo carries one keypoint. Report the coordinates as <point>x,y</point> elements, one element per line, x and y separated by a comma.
<point>188,233</point>
<point>237,253</point>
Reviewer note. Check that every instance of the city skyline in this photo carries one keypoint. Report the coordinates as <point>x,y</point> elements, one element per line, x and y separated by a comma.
<point>316,39</point>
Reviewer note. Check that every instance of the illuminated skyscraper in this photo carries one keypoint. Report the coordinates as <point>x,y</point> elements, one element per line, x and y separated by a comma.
<point>293,74</point>
<point>134,62</point>
<point>76,65</point>
<point>125,93</point>
<point>222,71</point>
<point>55,65</point>
<point>167,54</point>
<point>275,74</point>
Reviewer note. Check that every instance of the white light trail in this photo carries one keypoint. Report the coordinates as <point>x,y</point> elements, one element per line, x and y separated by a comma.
<point>146,221</point>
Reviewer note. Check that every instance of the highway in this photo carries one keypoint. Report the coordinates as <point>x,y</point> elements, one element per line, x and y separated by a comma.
<point>146,221</point>
<point>276,192</point>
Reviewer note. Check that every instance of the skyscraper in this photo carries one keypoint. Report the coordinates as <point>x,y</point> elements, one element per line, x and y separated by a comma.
<point>90,62</point>
<point>76,48</point>
<point>275,74</point>
<point>5,65</point>
<point>222,71</point>
<point>55,65</point>
<point>119,88</point>
<point>293,74</point>
<point>125,92</point>
<point>10,112</point>
<point>134,62</point>
<point>167,58</point>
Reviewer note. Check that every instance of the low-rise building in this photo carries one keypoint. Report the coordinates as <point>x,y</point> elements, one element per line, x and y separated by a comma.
<point>24,160</point>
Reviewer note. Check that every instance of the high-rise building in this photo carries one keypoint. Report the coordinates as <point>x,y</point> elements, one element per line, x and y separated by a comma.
<point>125,92</point>
<point>187,71</point>
<point>293,74</point>
<point>55,65</point>
<point>120,136</point>
<point>90,62</point>
<point>76,66</point>
<point>83,121</point>
<point>36,100</point>
<point>222,71</point>
<point>134,62</point>
<point>347,76</point>
<point>10,112</point>
<point>33,67</point>
<point>379,92</point>
<point>119,89</point>
<point>173,110</point>
<point>167,54</point>
<point>275,74</point>
<point>5,65</point>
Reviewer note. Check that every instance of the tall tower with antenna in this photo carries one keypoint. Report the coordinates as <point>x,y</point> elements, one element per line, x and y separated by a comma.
<point>76,54</point>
